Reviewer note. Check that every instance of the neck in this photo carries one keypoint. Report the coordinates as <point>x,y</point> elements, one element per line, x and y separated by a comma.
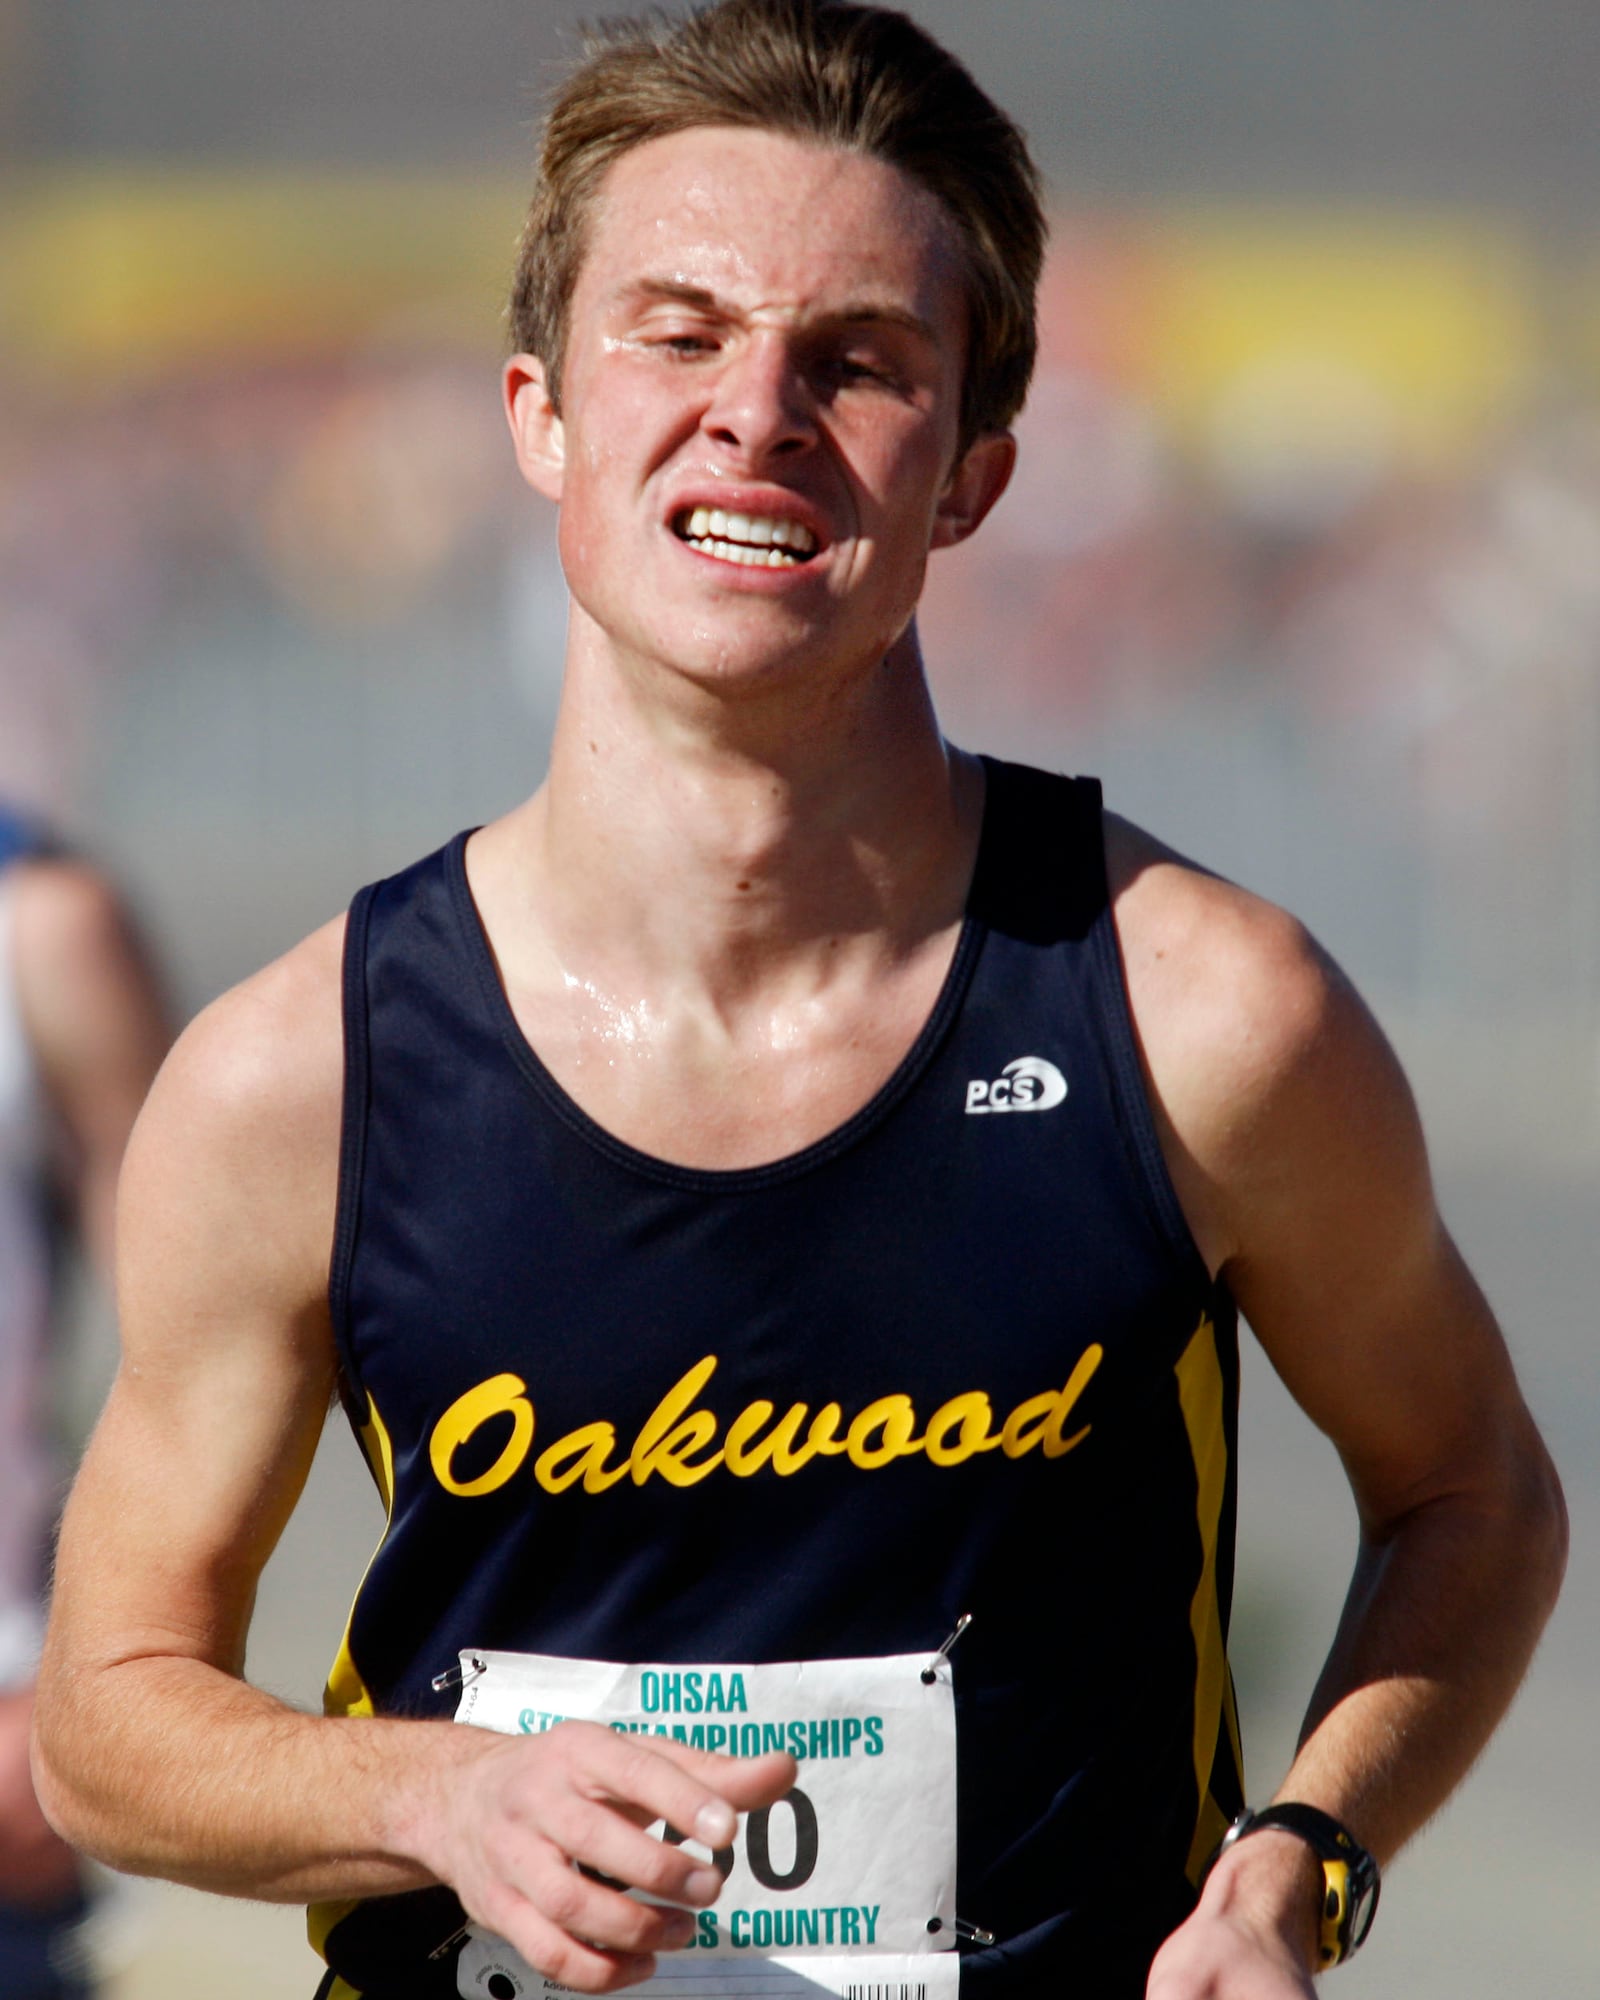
<point>733,842</point>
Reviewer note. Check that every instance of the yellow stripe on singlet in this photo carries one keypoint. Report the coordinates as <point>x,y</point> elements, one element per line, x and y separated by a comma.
<point>1200,1394</point>
<point>346,1692</point>
<point>320,1920</point>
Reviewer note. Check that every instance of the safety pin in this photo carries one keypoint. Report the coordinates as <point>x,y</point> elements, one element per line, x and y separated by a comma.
<point>973,1933</point>
<point>457,1676</point>
<point>929,1672</point>
<point>455,1938</point>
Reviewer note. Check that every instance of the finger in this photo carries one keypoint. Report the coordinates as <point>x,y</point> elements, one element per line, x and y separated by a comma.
<point>739,1782</point>
<point>581,1907</point>
<point>568,1960</point>
<point>599,1837</point>
<point>743,1781</point>
<point>696,1791</point>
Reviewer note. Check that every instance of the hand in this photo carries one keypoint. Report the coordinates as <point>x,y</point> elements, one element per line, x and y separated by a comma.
<point>1214,1958</point>
<point>1252,1936</point>
<point>37,1868</point>
<point>523,1816</point>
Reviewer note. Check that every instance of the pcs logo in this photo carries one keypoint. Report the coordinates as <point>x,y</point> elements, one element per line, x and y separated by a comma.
<point>1028,1084</point>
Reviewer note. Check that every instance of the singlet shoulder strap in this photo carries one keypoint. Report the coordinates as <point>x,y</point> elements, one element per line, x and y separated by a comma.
<point>1040,875</point>
<point>353,1127</point>
<point>1041,878</point>
<point>393,926</point>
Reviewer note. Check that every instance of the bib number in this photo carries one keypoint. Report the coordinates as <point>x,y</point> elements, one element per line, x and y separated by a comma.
<point>853,1868</point>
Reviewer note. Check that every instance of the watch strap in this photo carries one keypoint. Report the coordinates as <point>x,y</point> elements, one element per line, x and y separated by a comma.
<point>1350,1875</point>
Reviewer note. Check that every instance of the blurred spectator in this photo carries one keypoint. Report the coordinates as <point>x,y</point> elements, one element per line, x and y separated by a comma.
<point>82,1031</point>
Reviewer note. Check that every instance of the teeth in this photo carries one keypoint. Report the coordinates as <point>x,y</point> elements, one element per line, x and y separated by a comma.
<point>747,538</point>
<point>748,557</point>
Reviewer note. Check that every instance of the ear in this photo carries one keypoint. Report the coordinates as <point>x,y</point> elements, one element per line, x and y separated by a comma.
<point>536,428</point>
<point>979,477</point>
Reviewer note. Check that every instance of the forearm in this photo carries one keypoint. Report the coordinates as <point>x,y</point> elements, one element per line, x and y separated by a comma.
<point>1443,1614</point>
<point>215,1784</point>
<point>169,1767</point>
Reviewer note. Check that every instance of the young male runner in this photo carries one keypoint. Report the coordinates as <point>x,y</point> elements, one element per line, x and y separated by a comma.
<point>786,1186</point>
<point>81,1034</point>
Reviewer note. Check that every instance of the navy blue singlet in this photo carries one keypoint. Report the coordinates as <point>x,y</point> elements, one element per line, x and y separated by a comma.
<point>961,1355</point>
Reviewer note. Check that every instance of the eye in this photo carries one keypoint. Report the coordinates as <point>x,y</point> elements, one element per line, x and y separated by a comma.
<point>857,371</point>
<point>686,344</point>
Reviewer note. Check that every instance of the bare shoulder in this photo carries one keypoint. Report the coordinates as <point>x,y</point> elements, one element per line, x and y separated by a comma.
<point>1266,1069</point>
<point>266,1056</point>
<point>232,1170</point>
<point>1298,1155</point>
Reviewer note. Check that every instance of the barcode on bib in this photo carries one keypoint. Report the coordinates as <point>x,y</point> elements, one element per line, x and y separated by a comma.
<point>904,1990</point>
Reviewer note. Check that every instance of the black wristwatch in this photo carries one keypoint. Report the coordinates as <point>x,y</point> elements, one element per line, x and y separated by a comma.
<point>1350,1879</point>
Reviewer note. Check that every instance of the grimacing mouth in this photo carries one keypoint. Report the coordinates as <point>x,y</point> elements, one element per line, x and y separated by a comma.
<point>762,541</point>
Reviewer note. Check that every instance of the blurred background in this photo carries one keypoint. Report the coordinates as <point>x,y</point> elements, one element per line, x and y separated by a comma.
<point>1303,558</point>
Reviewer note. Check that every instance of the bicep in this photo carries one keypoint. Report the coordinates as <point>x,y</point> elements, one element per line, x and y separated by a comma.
<point>224,1222</point>
<point>1348,1276</point>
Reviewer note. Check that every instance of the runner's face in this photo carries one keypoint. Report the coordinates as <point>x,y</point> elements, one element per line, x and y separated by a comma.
<point>760,403</point>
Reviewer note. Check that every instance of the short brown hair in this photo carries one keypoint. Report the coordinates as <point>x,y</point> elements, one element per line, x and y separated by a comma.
<point>861,78</point>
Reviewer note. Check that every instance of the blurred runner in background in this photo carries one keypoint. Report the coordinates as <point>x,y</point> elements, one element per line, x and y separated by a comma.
<point>82,1031</point>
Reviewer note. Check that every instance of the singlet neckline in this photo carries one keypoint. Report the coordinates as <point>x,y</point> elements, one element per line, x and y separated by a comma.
<point>725,1180</point>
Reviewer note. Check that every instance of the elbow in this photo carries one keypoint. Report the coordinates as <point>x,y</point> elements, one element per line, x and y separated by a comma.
<point>57,1797</point>
<point>1548,1534</point>
<point>50,1788</point>
<point>1532,1528</point>
<point>61,1786</point>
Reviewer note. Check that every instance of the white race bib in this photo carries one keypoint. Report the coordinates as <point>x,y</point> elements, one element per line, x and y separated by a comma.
<point>847,1886</point>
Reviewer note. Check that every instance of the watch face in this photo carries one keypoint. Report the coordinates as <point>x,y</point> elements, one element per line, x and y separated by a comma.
<point>1349,1905</point>
<point>1364,1887</point>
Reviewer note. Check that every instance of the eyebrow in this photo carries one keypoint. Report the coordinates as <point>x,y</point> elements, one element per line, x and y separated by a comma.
<point>864,312</point>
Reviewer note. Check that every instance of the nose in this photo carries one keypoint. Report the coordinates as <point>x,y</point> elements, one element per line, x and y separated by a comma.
<point>761,406</point>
